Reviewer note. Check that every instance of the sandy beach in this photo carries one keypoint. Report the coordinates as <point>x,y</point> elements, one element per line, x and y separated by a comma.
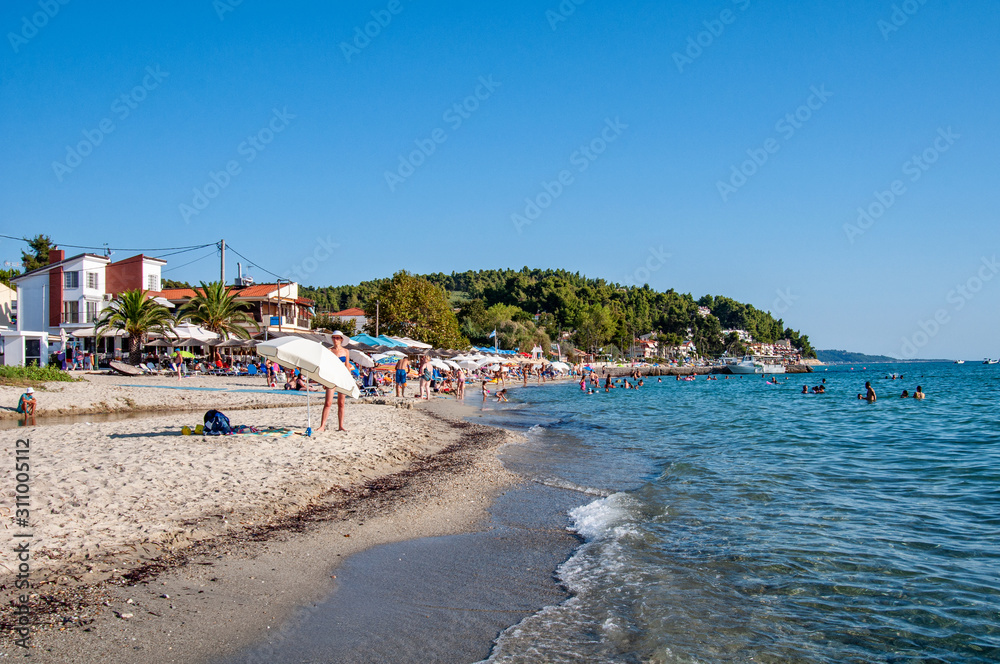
<point>188,547</point>
<point>104,393</point>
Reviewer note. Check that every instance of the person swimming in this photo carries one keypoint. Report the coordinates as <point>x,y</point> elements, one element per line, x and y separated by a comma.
<point>805,390</point>
<point>919,394</point>
<point>904,395</point>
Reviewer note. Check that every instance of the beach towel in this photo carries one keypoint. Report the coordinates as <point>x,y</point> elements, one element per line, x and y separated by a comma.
<point>217,424</point>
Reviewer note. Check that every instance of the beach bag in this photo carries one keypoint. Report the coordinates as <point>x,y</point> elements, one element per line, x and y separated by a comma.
<point>217,424</point>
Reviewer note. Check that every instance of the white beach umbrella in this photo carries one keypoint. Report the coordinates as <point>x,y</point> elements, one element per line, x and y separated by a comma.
<point>191,331</point>
<point>315,361</point>
<point>361,359</point>
<point>394,353</point>
<point>468,365</point>
<point>452,364</point>
<point>440,364</point>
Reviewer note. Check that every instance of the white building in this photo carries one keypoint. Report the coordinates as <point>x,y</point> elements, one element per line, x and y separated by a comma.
<point>69,294</point>
<point>742,335</point>
<point>8,307</point>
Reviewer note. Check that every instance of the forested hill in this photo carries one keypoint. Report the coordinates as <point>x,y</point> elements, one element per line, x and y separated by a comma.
<point>596,311</point>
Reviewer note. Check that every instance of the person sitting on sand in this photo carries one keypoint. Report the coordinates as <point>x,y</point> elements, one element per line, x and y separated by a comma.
<point>26,404</point>
<point>870,396</point>
<point>904,395</point>
<point>919,394</point>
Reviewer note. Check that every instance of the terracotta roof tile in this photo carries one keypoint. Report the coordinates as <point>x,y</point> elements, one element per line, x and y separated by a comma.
<point>177,293</point>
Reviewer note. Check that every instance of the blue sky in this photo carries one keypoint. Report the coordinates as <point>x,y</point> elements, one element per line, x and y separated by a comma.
<point>665,100</point>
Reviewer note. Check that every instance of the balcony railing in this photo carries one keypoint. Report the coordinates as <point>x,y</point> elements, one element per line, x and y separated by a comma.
<point>78,318</point>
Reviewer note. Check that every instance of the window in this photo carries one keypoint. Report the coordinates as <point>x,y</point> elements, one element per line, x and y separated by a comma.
<point>91,312</point>
<point>71,312</point>
<point>152,282</point>
<point>92,280</point>
<point>71,279</point>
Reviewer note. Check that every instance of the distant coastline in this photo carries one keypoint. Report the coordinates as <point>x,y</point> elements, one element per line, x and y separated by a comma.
<point>849,357</point>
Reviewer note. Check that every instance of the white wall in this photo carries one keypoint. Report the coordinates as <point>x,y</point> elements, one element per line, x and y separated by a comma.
<point>33,303</point>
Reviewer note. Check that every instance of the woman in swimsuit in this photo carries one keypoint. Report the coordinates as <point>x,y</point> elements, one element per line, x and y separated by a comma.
<point>341,353</point>
<point>426,375</point>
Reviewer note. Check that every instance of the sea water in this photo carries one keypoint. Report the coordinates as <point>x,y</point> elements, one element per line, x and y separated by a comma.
<point>735,521</point>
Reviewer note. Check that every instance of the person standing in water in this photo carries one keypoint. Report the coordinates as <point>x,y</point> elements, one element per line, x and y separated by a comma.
<point>870,396</point>
<point>341,353</point>
<point>919,394</point>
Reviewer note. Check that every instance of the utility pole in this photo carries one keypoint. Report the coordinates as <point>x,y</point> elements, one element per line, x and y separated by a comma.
<point>376,318</point>
<point>278,281</point>
<point>222,264</point>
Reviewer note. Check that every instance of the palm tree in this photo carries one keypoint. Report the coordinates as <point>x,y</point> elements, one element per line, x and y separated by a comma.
<point>136,314</point>
<point>214,308</point>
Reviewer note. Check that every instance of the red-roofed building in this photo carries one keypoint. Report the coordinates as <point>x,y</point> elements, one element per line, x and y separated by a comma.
<point>353,313</point>
<point>272,306</point>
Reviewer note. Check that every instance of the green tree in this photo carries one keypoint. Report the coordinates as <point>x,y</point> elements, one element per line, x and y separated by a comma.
<point>137,315</point>
<point>595,327</point>
<point>414,307</point>
<point>38,256</point>
<point>327,322</point>
<point>215,308</point>
<point>171,283</point>
<point>7,274</point>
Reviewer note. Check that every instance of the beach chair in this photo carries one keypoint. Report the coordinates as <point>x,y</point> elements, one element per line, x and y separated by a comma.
<point>252,370</point>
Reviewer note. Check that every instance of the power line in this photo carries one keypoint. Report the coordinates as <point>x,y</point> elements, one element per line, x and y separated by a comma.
<point>183,251</point>
<point>250,262</point>
<point>80,246</point>
<point>176,267</point>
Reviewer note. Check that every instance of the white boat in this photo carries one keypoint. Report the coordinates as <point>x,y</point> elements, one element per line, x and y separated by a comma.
<point>989,361</point>
<point>959,361</point>
<point>772,368</point>
<point>744,366</point>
